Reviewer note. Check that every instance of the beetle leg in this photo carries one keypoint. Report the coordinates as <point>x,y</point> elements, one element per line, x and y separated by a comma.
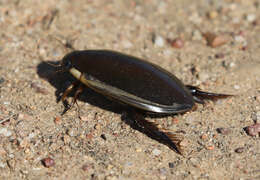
<point>65,95</point>
<point>152,129</point>
<point>77,93</point>
<point>68,90</point>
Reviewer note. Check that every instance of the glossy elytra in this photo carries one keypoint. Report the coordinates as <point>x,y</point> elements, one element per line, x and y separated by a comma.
<point>137,83</point>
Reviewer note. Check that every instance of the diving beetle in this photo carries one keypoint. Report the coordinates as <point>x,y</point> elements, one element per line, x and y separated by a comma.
<point>137,83</point>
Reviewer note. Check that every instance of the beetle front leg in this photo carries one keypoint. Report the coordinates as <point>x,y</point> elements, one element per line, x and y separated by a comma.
<point>65,95</point>
<point>77,93</point>
<point>68,90</point>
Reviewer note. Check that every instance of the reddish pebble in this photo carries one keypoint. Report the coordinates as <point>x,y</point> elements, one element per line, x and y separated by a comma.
<point>214,40</point>
<point>256,22</point>
<point>253,130</point>
<point>57,120</point>
<point>89,136</point>
<point>210,148</point>
<point>203,136</point>
<point>215,136</point>
<point>115,134</point>
<point>177,43</point>
<point>224,131</point>
<point>184,143</point>
<point>244,48</point>
<point>87,167</point>
<point>239,150</point>
<point>84,118</point>
<point>48,162</point>
<point>39,89</point>
<point>175,120</point>
<point>219,55</point>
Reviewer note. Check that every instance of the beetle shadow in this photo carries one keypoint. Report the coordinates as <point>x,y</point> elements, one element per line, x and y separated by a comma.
<point>62,80</point>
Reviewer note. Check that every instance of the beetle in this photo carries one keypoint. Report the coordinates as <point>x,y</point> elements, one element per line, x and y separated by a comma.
<point>137,83</point>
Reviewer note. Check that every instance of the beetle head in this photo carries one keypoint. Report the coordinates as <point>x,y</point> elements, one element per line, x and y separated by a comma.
<point>66,63</point>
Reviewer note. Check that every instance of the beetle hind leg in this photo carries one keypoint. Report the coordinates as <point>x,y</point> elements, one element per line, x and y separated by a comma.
<point>172,140</point>
<point>200,96</point>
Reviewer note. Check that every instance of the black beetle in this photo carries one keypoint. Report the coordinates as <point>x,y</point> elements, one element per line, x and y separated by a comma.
<point>137,83</point>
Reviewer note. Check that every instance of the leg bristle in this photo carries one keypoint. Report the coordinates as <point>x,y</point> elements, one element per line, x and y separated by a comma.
<point>172,140</point>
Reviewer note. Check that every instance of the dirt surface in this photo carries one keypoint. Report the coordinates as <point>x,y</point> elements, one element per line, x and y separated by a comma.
<point>36,142</point>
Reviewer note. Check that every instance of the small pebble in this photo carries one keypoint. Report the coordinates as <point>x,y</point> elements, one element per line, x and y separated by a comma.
<point>239,38</point>
<point>48,162</point>
<point>158,41</point>
<point>127,44</point>
<point>103,136</point>
<point>138,149</point>
<point>163,173</point>
<point>224,131</point>
<point>156,152</point>
<point>72,132</point>
<point>57,120</point>
<point>97,127</point>
<point>23,143</point>
<point>256,116</point>
<point>2,164</point>
<point>195,161</point>
<point>244,48</point>
<point>2,152</point>
<point>171,165</point>
<point>175,120</point>
<point>236,87</point>
<point>39,89</point>
<point>256,22</point>
<point>177,43</point>
<point>196,35</point>
<point>6,102</point>
<point>84,118</point>
<point>2,80</point>
<point>66,139</point>
<point>214,40</point>
<point>212,14</point>
<point>184,143</point>
<point>162,7</point>
<point>219,55</point>
<point>167,53</point>
<point>253,130</point>
<point>86,167</point>
<point>239,150</point>
<point>204,136</point>
<point>251,17</point>
<point>22,116</point>
<point>89,136</point>
<point>232,64</point>
<point>210,147</point>
<point>5,132</point>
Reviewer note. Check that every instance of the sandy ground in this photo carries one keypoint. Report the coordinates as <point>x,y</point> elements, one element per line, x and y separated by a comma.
<point>36,142</point>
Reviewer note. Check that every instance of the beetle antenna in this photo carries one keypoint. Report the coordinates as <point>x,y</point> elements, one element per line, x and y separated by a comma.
<point>51,64</point>
<point>67,44</point>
